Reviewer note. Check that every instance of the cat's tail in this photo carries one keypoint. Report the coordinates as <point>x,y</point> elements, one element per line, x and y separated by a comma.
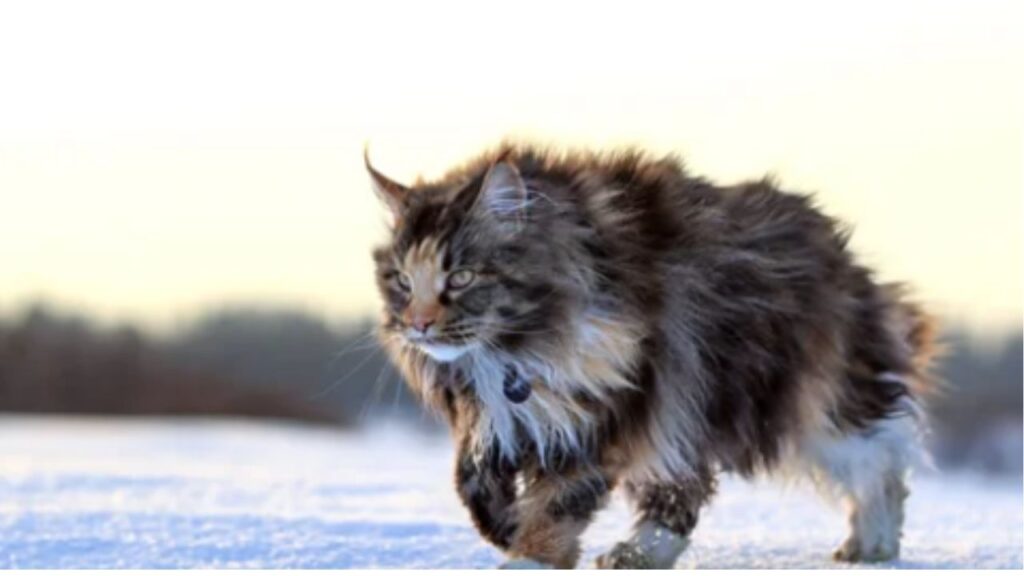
<point>918,331</point>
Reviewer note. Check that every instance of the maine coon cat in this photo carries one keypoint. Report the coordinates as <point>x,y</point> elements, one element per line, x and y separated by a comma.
<point>586,321</point>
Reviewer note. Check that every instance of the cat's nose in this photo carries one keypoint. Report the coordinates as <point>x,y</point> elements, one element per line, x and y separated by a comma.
<point>422,324</point>
<point>421,317</point>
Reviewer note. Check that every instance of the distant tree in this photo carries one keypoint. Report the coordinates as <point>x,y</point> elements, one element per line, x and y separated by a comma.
<point>59,363</point>
<point>293,353</point>
<point>984,392</point>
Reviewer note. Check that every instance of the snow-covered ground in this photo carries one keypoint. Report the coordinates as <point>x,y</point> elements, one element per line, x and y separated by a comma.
<point>107,493</point>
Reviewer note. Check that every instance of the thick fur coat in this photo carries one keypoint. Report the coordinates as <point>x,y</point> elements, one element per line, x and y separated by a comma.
<point>589,320</point>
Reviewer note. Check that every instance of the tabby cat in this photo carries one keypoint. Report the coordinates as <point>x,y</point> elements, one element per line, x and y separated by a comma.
<point>588,320</point>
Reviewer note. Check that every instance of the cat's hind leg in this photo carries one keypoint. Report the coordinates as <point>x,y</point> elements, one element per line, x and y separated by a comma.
<point>866,471</point>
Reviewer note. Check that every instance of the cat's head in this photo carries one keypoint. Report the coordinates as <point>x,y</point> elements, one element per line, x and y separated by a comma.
<point>466,268</point>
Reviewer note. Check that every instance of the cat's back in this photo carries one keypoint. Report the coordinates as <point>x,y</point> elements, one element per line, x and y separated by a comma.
<point>651,219</point>
<point>651,210</point>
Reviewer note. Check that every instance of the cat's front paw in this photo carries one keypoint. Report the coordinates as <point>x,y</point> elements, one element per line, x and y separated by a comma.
<point>524,564</point>
<point>625,555</point>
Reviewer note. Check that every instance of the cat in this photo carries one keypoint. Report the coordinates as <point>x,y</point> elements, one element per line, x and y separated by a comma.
<point>587,320</point>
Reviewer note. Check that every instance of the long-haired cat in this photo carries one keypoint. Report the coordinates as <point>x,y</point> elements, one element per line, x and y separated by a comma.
<point>591,320</point>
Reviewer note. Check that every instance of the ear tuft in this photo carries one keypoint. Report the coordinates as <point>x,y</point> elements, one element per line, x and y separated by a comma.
<point>395,195</point>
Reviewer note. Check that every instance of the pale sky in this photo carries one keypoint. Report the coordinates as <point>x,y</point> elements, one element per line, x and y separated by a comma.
<point>156,158</point>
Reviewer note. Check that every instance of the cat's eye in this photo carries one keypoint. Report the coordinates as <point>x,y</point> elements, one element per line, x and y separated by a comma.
<point>403,281</point>
<point>461,278</point>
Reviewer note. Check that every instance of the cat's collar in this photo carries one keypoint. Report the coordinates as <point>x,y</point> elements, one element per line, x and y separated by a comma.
<point>516,388</point>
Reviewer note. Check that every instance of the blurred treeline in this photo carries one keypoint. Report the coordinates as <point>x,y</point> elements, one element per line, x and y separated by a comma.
<point>244,361</point>
<point>253,361</point>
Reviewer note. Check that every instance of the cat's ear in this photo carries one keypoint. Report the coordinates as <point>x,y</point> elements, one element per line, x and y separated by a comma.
<point>504,195</point>
<point>394,195</point>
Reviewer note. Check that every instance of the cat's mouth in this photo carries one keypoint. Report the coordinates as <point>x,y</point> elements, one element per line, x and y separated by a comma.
<point>442,350</point>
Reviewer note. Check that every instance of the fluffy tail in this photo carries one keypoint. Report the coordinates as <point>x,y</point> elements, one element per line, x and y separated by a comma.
<point>918,330</point>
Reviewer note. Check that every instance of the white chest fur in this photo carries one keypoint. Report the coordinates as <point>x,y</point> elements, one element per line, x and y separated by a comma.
<point>598,360</point>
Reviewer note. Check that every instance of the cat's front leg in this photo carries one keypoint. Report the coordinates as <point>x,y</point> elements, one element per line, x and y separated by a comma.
<point>551,514</point>
<point>486,485</point>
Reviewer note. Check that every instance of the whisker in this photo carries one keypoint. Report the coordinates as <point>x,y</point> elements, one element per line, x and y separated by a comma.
<point>334,385</point>
<point>355,345</point>
<point>498,327</point>
<point>378,387</point>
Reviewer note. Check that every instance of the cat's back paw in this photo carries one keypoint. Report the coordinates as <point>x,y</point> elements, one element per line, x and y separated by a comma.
<point>624,555</point>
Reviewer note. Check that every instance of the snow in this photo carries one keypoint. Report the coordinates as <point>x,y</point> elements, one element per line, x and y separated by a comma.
<point>166,493</point>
